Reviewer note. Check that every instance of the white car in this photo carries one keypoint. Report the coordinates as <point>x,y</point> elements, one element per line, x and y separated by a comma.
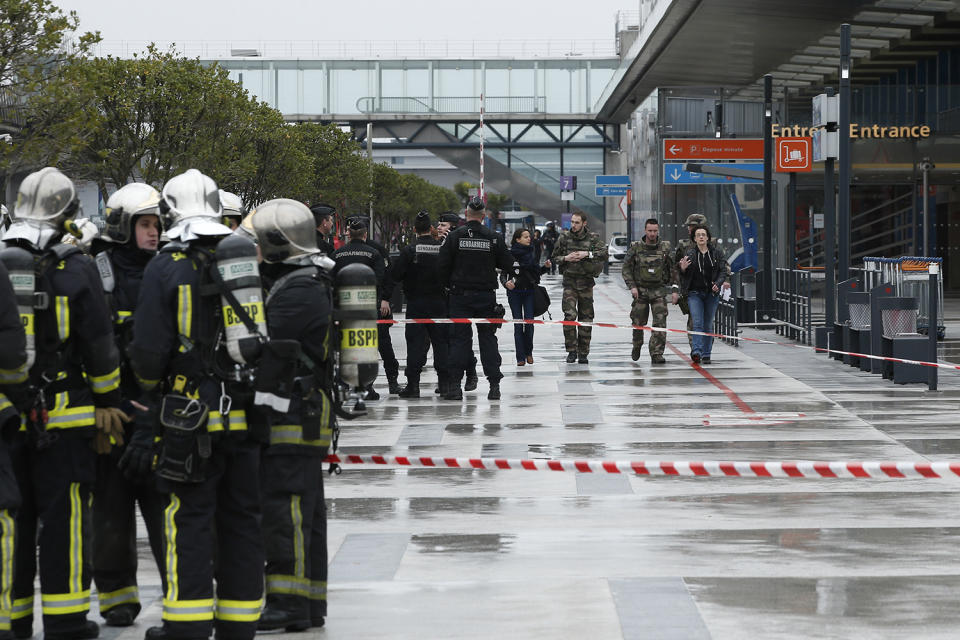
<point>617,249</point>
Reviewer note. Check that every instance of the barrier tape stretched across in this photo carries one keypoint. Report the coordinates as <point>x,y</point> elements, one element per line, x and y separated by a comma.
<point>706,468</point>
<point>610,325</point>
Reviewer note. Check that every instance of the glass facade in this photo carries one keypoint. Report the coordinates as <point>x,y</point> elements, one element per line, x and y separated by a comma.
<point>347,87</point>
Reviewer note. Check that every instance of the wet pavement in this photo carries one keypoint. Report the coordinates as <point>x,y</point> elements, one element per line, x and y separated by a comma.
<point>435,553</point>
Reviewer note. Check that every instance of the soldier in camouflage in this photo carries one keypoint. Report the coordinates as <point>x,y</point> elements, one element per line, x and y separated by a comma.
<point>581,256</point>
<point>649,273</point>
<point>683,245</point>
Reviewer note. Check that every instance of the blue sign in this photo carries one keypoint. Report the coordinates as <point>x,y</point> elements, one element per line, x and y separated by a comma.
<point>746,254</point>
<point>612,192</point>
<point>621,180</point>
<point>568,183</point>
<point>673,173</point>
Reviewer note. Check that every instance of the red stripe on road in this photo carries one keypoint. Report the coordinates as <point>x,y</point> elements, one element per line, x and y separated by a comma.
<point>737,400</point>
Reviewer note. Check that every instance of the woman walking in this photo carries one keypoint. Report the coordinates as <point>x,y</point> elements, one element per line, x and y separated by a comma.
<point>521,296</point>
<point>703,273</point>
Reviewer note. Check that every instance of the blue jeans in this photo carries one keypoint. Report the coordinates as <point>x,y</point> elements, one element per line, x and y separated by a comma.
<point>521,306</point>
<point>703,308</point>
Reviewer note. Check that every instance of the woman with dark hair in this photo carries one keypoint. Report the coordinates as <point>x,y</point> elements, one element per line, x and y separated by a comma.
<point>521,296</point>
<point>703,273</point>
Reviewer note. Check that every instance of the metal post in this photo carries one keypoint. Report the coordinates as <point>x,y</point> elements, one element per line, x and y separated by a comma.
<point>925,166</point>
<point>766,295</point>
<point>843,198</point>
<point>829,238</point>
<point>792,221</point>
<point>370,160</point>
<point>932,324</point>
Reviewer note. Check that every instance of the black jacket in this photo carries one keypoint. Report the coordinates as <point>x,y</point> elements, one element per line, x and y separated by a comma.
<point>716,272</point>
<point>386,284</point>
<point>13,349</point>
<point>360,252</point>
<point>470,256</point>
<point>417,267</point>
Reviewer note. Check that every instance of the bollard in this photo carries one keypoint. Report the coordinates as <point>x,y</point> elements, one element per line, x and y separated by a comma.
<point>932,324</point>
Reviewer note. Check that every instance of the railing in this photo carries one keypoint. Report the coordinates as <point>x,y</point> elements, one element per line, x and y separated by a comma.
<point>462,49</point>
<point>725,322</point>
<point>799,302</point>
<point>452,104</point>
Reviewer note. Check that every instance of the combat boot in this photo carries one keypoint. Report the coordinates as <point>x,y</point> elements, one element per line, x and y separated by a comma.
<point>658,358</point>
<point>471,382</point>
<point>453,392</point>
<point>273,618</point>
<point>393,386</point>
<point>583,359</point>
<point>412,390</point>
<point>572,357</point>
<point>89,630</point>
<point>494,393</point>
<point>121,615</point>
<point>160,633</point>
<point>635,354</point>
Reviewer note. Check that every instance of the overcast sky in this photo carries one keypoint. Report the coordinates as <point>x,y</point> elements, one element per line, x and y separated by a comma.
<point>337,20</point>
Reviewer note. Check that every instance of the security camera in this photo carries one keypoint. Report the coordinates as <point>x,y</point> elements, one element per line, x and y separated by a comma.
<point>927,165</point>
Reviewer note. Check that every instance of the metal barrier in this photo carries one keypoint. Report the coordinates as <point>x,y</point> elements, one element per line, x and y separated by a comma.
<point>725,322</point>
<point>910,276</point>
<point>799,302</point>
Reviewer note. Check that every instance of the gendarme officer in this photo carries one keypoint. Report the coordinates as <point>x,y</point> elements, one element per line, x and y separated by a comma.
<point>469,259</point>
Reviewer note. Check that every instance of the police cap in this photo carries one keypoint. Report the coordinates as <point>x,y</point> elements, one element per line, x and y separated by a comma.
<point>321,212</point>
<point>357,224</point>
<point>450,218</point>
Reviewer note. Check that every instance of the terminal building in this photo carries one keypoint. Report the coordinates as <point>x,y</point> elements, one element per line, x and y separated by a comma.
<point>675,69</point>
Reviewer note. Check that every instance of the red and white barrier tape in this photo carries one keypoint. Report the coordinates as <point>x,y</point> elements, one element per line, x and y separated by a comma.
<point>705,468</point>
<point>611,325</point>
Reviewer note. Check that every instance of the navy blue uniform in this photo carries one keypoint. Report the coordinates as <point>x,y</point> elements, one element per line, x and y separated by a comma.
<point>174,350</point>
<point>417,267</point>
<point>469,258</point>
<point>116,497</point>
<point>55,465</point>
<point>299,307</point>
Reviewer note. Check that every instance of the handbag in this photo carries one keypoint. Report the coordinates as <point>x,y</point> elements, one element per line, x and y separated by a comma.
<point>541,301</point>
<point>684,305</point>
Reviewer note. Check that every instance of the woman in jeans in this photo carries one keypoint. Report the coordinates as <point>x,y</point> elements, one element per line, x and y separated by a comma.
<point>703,273</point>
<point>521,296</point>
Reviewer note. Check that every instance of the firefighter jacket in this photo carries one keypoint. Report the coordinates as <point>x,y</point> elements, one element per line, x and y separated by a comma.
<point>300,307</point>
<point>417,267</point>
<point>650,267</point>
<point>13,345</point>
<point>175,346</point>
<point>77,364</point>
<point>584,240</point>
<point>470,256</point>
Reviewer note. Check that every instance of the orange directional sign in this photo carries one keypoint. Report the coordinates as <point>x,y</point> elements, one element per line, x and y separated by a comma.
<point>712,149</point>
<point>794,154</point>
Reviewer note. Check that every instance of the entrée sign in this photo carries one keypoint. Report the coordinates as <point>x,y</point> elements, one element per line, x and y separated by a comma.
<point>857,131</point>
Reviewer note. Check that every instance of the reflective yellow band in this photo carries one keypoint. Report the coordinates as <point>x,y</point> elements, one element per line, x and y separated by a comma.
<point>7,536</point>
<point>188,610</point>
<point>105,383</point>
<point>318,590</point>
<point>75,568</point>
<point>27,320</point>
<point>238,610</point>
<point>65,603</point>
<point>110,599</point>
<point>5,403</point>
<point>147,384</point>
<point>62,305</point>
<point>184,311</point>
<point>237,421</point>
<point>22,607</point>
<point>82,416</point>
<point>122,316</point>
<point>14,376</point>
<point>289,585</point>
<point>296,519</point>
<point>170,536</point>
<point>293,434</point>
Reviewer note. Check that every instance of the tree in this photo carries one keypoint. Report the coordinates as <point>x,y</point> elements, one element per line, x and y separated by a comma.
<point>340,174</point>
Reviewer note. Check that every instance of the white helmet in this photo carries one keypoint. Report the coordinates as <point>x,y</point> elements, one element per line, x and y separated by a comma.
<point>134,199</point>
<point>284,230</point>
<point>45,200</point>
<point>190,204</point>
<point>232,205</point>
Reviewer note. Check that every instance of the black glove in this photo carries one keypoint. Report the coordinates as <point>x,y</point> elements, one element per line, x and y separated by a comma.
<point>137,459</point>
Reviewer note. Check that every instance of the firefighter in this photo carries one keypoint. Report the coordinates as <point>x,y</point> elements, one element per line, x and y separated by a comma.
<point>197,327</point>
<point>13,368</point>
<point>129,240</point>
<point>299,310</point>
<point>73,390</point>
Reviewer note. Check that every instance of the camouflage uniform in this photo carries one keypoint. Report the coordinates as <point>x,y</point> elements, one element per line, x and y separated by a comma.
<point>682,247</point>
<point>650,269</point>
<point>578,281</point>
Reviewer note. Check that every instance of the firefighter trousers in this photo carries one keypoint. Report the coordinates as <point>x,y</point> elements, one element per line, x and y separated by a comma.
<point>115,532</point>
<point>55,486</point>
<point>222,513</point>
<point>9,500</point>
<point>295,533</point>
